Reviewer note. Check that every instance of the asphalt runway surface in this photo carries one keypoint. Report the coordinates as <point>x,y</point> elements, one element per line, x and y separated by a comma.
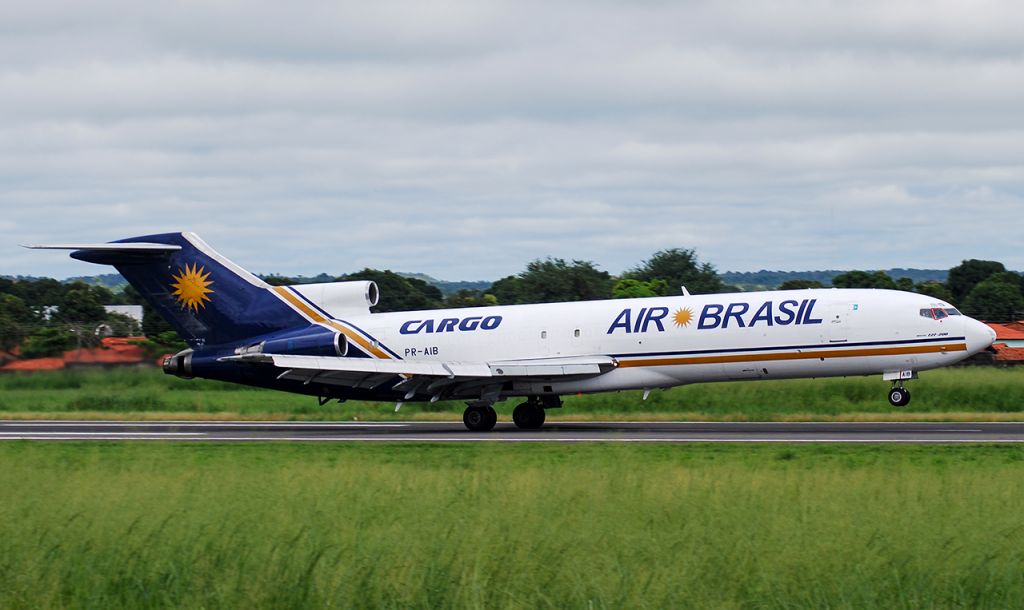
<point>558,432</point>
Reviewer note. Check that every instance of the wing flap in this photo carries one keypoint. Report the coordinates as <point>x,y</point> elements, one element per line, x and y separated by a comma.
<point>543,367</point>
<point>553,367</point>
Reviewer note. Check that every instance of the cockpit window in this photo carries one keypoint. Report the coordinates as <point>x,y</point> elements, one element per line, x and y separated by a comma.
<point>937,313</point>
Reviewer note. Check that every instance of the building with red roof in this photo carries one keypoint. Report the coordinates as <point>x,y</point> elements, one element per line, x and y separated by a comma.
<point>34,364</point>
<point>1012,333</point>
<point>113,351</point>
<point>1009,345</point>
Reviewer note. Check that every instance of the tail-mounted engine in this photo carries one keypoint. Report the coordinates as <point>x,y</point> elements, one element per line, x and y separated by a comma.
<point>309,341</point>
<point>179,365</point>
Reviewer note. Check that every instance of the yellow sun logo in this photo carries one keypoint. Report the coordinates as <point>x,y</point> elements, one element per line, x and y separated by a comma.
<point>192,287</point>
<point>683,317</point>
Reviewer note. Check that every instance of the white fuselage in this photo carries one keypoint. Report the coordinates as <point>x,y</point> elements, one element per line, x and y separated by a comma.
<point>667,341</point>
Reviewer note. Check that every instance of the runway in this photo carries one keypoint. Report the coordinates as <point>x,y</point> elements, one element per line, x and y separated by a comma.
<point>558,432</point>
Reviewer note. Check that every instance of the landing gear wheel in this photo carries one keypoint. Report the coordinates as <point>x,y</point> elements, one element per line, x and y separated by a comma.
<point>528,416</point>
<point>899,397</point>
<point>479,419</point>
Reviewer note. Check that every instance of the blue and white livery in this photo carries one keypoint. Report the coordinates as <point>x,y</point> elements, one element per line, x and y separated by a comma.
<point>322,340</point>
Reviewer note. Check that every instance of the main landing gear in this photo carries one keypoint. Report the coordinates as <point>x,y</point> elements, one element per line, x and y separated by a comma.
<point>529,415</point>
<point>899,396</point>
<point>480,416</point>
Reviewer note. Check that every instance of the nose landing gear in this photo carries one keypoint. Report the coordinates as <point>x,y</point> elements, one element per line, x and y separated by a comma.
<point>899,395</point>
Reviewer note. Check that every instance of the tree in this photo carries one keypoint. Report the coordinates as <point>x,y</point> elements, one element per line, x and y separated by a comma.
<point>153,324</point>
<point>553,280</point>
<point>506,290</point>
<point>864,279</point>
<point>935,289</point>
<point>995,300</point>
<point>678,267</point>
<point>905,284</point>
<point>39,293</point>
<point>470,298</point>
<point>164,343</point>
<point>48,341</point>
<point>122,325</point>
<point>81,304</point>
<point>1008,277</point>
<point>16,321</point>
<point>968,274</point>
<point>278,280</point>
<point>800,284</point>
<point>633,289</point>
<point>399,293</point>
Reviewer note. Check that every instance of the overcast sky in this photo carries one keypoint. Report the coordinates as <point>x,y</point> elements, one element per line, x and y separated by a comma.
<point>465,139</point>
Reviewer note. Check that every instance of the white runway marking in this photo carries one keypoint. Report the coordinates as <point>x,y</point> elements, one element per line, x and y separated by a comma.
<point>47,434</point>
<point>180,424</point>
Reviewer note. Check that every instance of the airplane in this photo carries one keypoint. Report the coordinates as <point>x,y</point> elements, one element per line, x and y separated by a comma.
<point>322,339</point>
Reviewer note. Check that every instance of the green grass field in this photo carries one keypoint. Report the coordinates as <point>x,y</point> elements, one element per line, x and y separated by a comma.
<point>955,393</point>
<point>499,526</point>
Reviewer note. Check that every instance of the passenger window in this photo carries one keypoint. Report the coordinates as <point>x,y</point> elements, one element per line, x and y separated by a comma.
<point>926,313</point>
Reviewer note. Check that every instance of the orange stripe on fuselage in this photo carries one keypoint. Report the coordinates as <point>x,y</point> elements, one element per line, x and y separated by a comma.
<point>320,319</point>
<point>851,353</point>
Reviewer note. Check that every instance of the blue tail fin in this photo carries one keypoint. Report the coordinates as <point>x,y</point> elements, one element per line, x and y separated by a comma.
<point>206,298</point>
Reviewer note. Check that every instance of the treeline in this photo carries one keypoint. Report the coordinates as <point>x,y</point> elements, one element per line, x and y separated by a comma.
<point>547,281</point>
<point>981,289</point>
<point>769,280</point>
<point>45,315</point>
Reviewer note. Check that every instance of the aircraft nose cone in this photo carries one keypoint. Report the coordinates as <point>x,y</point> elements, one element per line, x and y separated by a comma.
<point>980,336</point>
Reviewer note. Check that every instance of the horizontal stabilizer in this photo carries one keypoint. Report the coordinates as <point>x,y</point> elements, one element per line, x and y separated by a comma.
<point>114,247</point>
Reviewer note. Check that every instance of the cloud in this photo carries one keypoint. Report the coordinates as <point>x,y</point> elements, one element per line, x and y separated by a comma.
<point>465,139</point>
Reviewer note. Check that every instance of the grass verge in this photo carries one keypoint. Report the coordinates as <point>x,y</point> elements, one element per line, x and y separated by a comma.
<point>470,526</point>
<point>957,394</point>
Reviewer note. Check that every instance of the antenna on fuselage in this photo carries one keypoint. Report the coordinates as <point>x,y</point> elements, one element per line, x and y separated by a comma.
<point>686,292</point>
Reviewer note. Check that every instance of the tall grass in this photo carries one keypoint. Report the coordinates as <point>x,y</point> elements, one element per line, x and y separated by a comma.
<point>976,389</point>
<point>282,526</point>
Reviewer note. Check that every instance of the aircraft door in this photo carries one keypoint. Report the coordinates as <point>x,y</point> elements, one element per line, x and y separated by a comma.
<point>835,324</point>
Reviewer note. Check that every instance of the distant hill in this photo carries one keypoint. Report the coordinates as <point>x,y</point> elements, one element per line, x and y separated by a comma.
<point>767,280</point>
<point>448,288</point>
<point>113,281</point>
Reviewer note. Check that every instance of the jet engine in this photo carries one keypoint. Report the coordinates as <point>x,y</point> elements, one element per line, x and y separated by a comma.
<point>309,341</point>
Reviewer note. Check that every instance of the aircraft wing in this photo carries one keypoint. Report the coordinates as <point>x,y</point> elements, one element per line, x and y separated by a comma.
<point>542,367</point>
<point>435,377</point>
